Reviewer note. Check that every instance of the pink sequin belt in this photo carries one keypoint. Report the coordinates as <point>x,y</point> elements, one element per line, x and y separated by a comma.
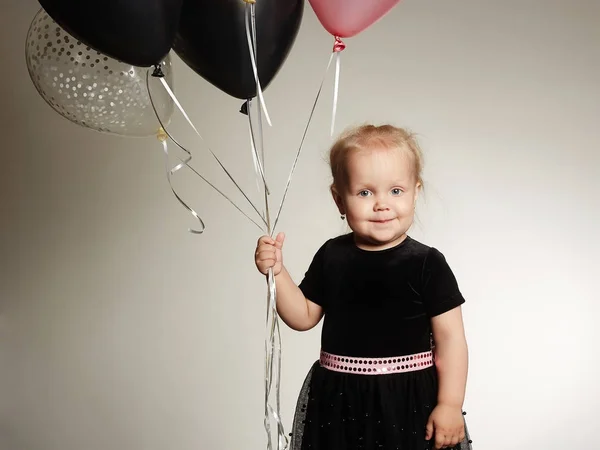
<point>376,366</point>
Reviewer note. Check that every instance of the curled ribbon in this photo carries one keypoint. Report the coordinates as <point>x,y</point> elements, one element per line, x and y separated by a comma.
<point>162,138</point>
<point>163,135</point>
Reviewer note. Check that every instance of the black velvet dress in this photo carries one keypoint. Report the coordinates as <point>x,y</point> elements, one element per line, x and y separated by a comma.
<point>377,304</point>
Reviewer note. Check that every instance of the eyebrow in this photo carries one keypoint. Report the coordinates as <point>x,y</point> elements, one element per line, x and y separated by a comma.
<point>359,185</point>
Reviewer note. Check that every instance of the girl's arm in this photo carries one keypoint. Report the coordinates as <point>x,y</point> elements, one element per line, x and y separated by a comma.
<point>451,357</point>
<point>296,311</point>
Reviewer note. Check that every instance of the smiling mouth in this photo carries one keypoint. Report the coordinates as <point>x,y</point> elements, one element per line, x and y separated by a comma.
<point>382,221</point>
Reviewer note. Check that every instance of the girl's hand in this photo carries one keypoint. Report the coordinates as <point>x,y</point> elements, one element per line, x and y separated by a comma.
<point>447,425</point>
<point>268,254</point>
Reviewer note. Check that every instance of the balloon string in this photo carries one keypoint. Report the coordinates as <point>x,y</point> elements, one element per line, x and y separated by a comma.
<point>185,163</point>
<point>213,186</point>
<point>176,101</point>
<point>172,95</point>
<point>335,90</point>
<point>168,89</point>
<point>255,160</point>
<point>252,48</point>
<point>254,143</point>
<point>283,440</point>
<point>273,338</point>
<point>259,166</point>
<point>259,107</point>
<point>272,371</point>
<point>170,172</point>
<point>314,106</point>
<point>338,47</point>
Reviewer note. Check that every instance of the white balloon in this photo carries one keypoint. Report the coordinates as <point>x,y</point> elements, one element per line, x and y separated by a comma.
<point>92,89</point>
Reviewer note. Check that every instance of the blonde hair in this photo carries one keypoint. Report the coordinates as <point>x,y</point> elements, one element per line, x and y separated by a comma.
<point>369,136</point>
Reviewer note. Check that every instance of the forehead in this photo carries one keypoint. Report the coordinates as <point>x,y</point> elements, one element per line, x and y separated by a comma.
<point>380,165</point>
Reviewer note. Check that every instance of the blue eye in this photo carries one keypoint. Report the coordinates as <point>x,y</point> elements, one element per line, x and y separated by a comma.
<point>364,193</point>
<point>397,191</point>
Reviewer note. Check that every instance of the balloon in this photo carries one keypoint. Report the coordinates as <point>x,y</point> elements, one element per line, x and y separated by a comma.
<point>91,89</point>
<point>346,18</point>
<point>137,32</point>
<point>212,40</point>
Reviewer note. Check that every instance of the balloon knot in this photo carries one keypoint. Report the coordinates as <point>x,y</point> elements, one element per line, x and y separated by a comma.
<point>244,108</point>
<point>158,73</point>
<point>161,135</point>
<point>338,45</point>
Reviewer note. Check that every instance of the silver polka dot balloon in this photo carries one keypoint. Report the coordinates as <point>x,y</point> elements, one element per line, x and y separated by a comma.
<point>92,89</point>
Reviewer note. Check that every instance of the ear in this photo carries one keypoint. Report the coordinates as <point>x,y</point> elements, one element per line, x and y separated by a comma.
<point>337,198</point>
<point>418,187</point>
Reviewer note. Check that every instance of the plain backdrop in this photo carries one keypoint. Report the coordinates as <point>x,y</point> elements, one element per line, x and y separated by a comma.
<point>121,330</point>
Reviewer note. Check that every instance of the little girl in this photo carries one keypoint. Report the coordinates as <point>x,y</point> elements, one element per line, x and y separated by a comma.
<point>385,298</point>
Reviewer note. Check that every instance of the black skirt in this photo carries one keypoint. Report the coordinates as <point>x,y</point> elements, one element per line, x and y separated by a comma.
<point>347,411</point>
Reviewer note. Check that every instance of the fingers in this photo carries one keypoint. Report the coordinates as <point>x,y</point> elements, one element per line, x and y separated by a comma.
<point>266,255</point>
<point>265,240</point>
<point>451,441</point>
<point>429,430</point>
<point>266,252</point>
<point>279,240</point>
<point>457,436</point>
<point>268,240</point>
<point>265,246</point>
<point>440,441</point>
<point>444,438</point>
<point>445,429</point>
<point>447,441</point>
<point>265,264</point>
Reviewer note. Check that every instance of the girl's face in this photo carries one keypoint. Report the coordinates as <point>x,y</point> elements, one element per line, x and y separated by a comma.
<point>379,199</point>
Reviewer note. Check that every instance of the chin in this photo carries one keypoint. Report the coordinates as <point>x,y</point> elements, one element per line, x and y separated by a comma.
<point>385,238</point>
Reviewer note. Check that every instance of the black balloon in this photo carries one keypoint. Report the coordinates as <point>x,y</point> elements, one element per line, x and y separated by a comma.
<point>137,32</point>
<point>212,40</point>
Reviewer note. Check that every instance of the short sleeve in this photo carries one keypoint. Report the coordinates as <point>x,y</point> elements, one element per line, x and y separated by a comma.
<point>313,284</point>
<point>440,288</point>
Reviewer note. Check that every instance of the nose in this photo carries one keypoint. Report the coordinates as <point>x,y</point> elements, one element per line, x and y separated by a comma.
<point>380,205</point>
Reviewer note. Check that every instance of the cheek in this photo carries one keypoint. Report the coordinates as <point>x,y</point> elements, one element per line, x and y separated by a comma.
<point>406,208</point>
<point>357,207</point>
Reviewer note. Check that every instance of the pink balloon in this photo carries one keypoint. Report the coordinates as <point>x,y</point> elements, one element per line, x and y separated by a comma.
<point>346,18</point>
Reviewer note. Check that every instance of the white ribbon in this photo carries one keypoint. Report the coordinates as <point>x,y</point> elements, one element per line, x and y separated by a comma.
<point>336,87</point>
<point>251,38</point>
